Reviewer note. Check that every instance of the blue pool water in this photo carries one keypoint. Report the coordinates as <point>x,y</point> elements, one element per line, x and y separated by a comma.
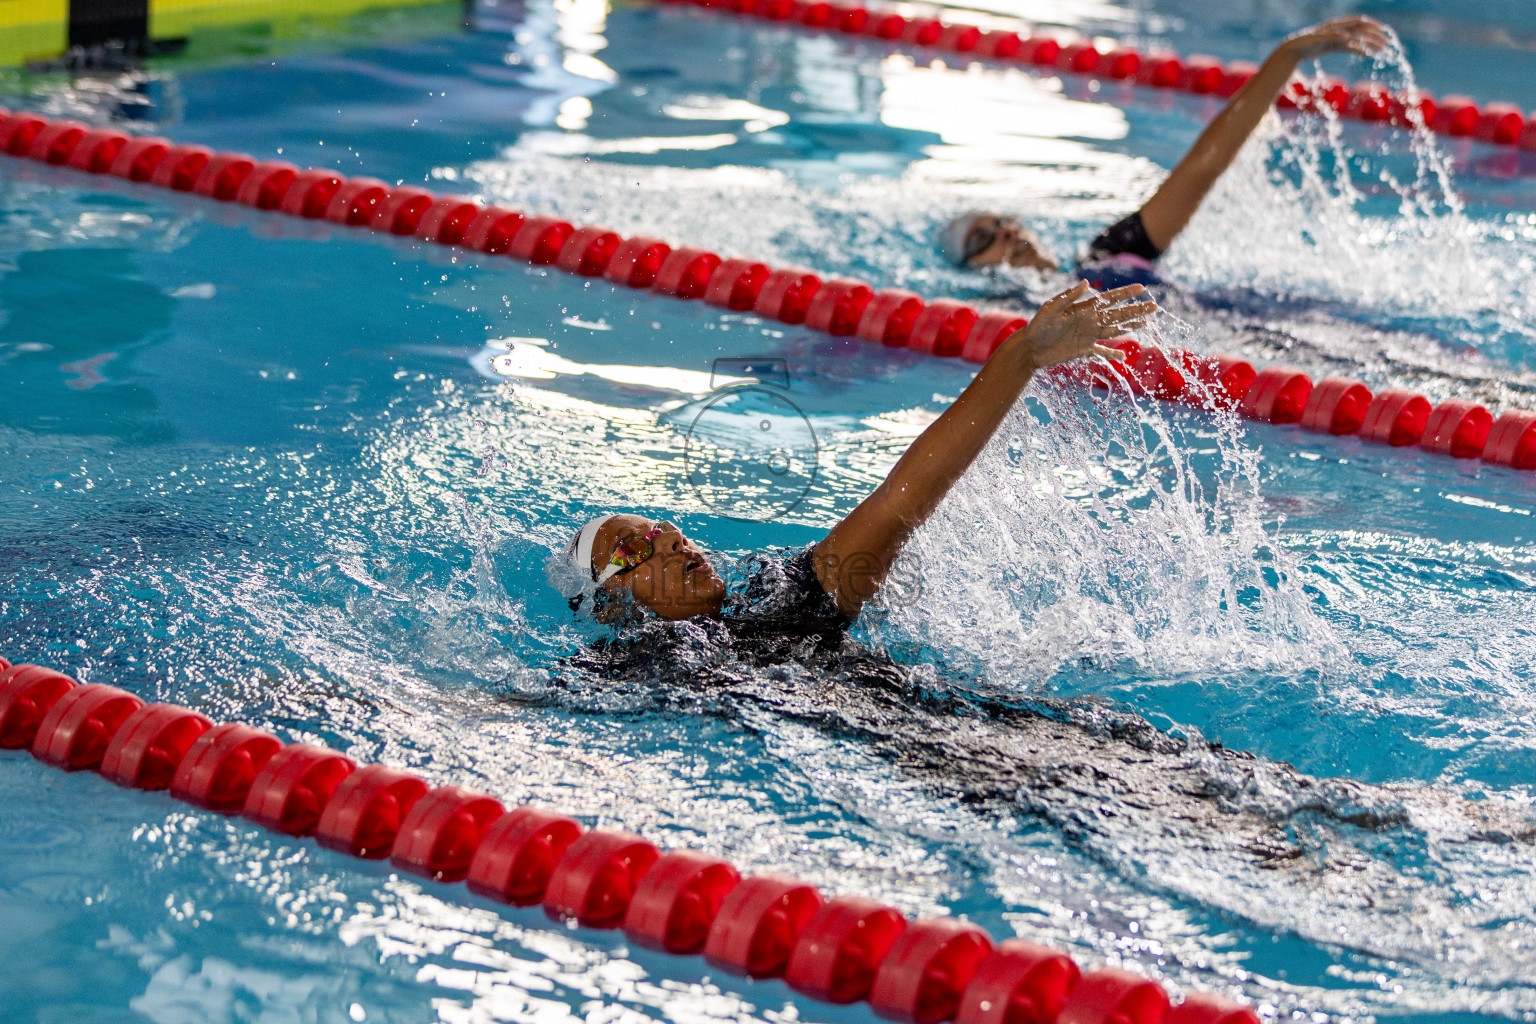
<point>310,479</point>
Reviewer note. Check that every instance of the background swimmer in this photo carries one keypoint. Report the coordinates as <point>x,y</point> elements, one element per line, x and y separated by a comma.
<point>980,238</point>
<point>652,565</point>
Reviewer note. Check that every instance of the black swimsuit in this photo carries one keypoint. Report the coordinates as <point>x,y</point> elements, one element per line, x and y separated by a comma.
<point>1127,235</point>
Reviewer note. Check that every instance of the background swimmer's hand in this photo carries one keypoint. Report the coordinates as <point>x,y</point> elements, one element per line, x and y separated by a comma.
<point>1072,324</point>
<point>1358,34</point>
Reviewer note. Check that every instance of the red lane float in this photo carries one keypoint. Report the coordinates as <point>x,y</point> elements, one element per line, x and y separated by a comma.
<point>179,167</point>
<point>1234,77</point>
<point>1496,123</point>
<point>151,744</point>
<point>139,157</point>
<point>1278,395</point>
<point>991,330</point>
<point>588,251</point>
<point>27,694</point>
<point>593,883</point>
<point>220,766</point>
<point>292,789</point>
<point>400,212</point>
<point>74,734</point>
<point>942,328</point>
<point>440,835</point>
<point>17,132</point>
<point>1042,52</point>
<point>1455,115</point>
<point>1336,406</point>
<point>1512,441</point>
<point>1222,382</point>
<point>267,185</point>
<point>1082,58</point>
<point>222,175</point>
<point>1160,71</point>
<point>736,284</point>
<point>927,969</point>
<point>838,306</point>
<point>1109,996</point>
<point>354,202</point>
<point>1203,1008</point>
<point>1457,428</point>
<point>518,854</point>
<point>446,220</point>
<point>787,295</point>
<point>1156,375</point>
<point>365,811</point>
<point>540,240</point>
<point>841,947</point>
<point>492,230</point>
<point>685,273</point>
<point>1500,123</point>
<point>310,193</point>
<point>677,900</point>
<point>1020,983</point>
<point>55,143</point>
<point>759,924</point>
<point>635,262</point>
<point>1112,375</point>
<point>1202,74</point>
<point>889,317</point>
<point>681,902</point>
<point>1395,417</point>
<point>96,150</point>
<point>999,45</point>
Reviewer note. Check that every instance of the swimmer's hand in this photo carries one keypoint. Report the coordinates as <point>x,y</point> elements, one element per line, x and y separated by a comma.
<point>1072,324</point>
<point>1359,34</point>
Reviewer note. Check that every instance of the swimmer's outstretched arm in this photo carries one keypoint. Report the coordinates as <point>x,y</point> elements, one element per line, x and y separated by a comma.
<point>853,559</point>
<point>1176,201</point>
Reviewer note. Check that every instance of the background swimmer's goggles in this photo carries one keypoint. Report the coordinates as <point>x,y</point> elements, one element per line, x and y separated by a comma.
<point>981,236</point>
<point>630,555</point>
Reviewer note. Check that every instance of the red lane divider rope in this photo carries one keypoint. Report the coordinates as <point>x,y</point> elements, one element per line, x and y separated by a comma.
<point>840,307</point>
<point>684,902</point>
<point>1500,124</point>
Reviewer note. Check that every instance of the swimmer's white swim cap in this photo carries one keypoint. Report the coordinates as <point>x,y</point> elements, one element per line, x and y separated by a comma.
<point>570,571</point>
<point>952,236</point>
<point>579,550</point>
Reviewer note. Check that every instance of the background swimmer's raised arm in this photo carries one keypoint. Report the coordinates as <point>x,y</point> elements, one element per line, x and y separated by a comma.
<point>1175,202</point>
<point>853,559</point>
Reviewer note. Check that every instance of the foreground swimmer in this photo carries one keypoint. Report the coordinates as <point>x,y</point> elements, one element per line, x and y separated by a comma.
<point>981,238</point>
<point>637,564</point>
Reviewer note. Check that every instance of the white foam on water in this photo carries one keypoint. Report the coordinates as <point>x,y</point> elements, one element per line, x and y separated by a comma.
<point>1091,531</point>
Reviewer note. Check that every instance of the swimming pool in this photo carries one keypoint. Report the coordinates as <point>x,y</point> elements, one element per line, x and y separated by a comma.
<point>271,471</point>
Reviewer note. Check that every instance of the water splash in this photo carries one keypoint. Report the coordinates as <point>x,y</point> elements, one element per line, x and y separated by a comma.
<point>1367,224</point>
<point>1102,534</point>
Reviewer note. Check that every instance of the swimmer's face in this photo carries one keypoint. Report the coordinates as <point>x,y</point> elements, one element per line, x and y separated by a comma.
<point>994,239</point>
<point>676,582</point>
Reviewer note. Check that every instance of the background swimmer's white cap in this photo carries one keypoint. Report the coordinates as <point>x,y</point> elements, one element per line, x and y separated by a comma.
<point>952,236</point>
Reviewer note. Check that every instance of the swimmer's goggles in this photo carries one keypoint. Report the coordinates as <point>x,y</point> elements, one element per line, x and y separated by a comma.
<point>981,236</point>
<point>630,555</point>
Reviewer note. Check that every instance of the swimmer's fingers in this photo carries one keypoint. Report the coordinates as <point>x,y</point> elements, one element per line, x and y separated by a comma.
<point>1122,314</point>
<point>1363,35</point>
<point>1369,40</point>
<point>1115,295</point>
<point>1057,303</point>
<point>1092,300</point>
<point>1107,331</point>
<point>1114,355</point>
